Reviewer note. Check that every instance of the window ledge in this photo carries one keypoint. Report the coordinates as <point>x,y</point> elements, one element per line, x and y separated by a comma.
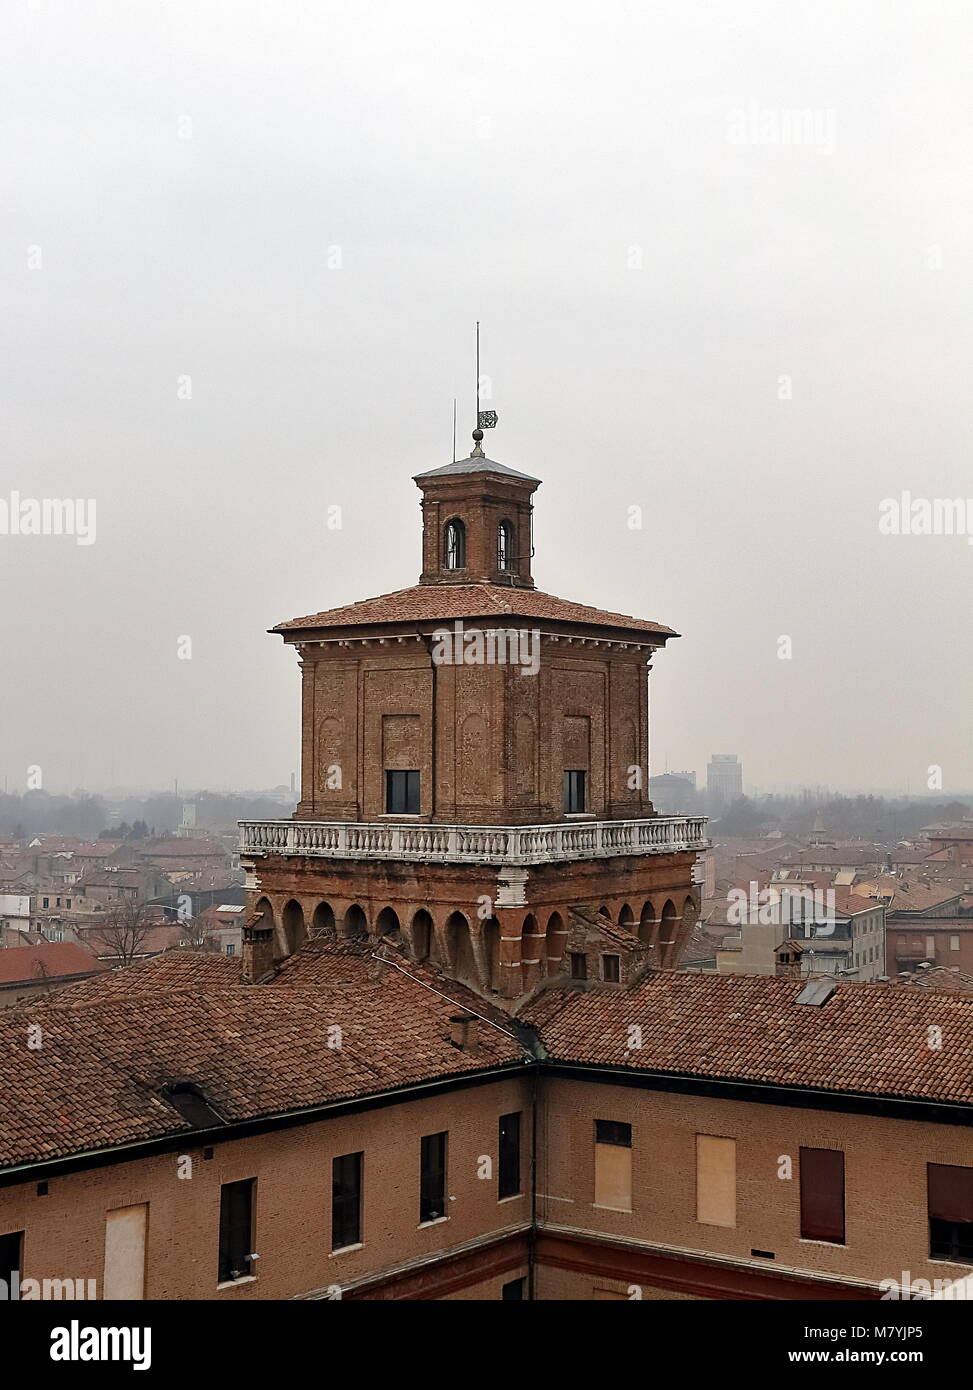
<point>625,1211</point>
<point>580,815</point>
<point>437,1222</point>
<point>514,1197</point>
<point>232,1283</point>
<point>346,1249</point>
<point>828,1244</point>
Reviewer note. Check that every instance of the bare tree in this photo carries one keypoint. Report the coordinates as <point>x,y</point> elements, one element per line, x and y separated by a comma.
<point>197,935</point>
<point>121,937</point>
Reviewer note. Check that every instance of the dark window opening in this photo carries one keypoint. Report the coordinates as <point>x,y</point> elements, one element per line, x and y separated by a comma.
<point>574,789</point>
<point>455,545</point>
<point>823,1195</point>
<point>402,793</point>
<point>509,1177</point>
<point>613,1132</point>
<point>236,1229</point>
<point>579,965</point>
<point>504,546</point>
<point>611,969</point>
<point>193,1106</point>
<point>950,1190</point>
<point>432,1177</point>
<point>346,1196</point>
<point>514,1291</point>
<point>11,1256</point>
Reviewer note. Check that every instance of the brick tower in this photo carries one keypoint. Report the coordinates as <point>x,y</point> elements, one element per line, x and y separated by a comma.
<point>474,768</point>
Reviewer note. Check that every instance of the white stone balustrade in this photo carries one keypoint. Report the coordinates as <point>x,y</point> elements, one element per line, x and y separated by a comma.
<point>473,844</point>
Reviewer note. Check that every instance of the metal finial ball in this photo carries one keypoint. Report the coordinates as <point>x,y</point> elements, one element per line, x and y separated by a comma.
<point>477,435</point>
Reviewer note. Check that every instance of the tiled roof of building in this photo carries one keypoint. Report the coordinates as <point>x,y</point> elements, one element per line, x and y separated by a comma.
<point>846,900</point>
<point>868,1038</point>
<point>111,1045</point>
<point>906,896</point>
<point>45,960</point>
<point>625,938</point>
<point>940,977</point>
<point>181,847</point>
<point>836,858</point>
<point>446,602</point>
<point>963,831</point>
<point>478,463</point>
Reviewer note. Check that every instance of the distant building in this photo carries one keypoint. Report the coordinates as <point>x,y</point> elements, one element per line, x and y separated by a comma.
<point>674,793</point>
<point>809,932</point>
<point>29,970</point>
<point>724,780</point>
<point>14,917</point>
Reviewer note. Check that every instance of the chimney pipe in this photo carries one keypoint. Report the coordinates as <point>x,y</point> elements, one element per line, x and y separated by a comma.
<point>464,1033</point>
<point>258,951</point>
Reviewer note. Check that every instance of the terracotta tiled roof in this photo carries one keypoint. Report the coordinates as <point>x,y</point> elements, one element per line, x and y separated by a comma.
<point>45,960</point>
<point>847,900</point>
<point>867,1038</point>
<point>111,1045</point>
<point>626,938</point>
<point>435,603</point>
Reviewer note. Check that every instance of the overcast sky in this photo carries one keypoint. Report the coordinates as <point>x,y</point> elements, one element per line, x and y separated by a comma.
<point>754,329</point>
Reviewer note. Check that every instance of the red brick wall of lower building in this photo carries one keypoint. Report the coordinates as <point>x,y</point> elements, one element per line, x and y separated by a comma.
<point>65,1230</point>
<point>885,1178</point>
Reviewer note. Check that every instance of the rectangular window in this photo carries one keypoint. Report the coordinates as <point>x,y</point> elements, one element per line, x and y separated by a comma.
<point>611,968</point>
<point>823,1195</point>
<point>513,1292</point>
<point>11,1256</point>
<point>236,1229</point>
<point>613,1165</point>
<point>509,1178</point>
<point>346,1196</point>
<point>931,947</point>
<point>579,965</point>
<point>574,800</point>
<point>402,793</point>
<point>950,1191</point>
<point>125,1231</point>
<point>954,943</point>
<point>46,902</point>
<point>716,1180</point>
<point>432,1177</point>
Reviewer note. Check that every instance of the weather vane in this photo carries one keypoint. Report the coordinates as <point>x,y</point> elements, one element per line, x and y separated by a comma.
<point>485,419</point>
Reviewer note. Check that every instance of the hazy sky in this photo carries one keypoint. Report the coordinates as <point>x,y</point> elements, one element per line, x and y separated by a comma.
<point>756,329</point>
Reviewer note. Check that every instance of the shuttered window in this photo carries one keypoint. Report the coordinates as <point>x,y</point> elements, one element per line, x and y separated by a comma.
<point>950,1212</point>
<point>613,1165</point>
<point>823,1195</point>
<point>716,1180</point>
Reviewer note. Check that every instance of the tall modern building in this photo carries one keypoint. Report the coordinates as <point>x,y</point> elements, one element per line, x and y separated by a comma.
<point>724,780</point>
<point>475,762</point>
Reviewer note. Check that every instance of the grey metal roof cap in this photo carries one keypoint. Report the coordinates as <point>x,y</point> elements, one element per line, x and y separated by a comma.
<point>475,465</point>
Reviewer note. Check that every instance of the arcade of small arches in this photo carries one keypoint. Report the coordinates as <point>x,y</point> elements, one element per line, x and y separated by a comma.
<point>477,952</point>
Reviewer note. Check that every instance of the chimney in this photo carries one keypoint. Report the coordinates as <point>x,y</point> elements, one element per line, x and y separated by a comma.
<point>464,1033</point>
<point>258,950</point>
